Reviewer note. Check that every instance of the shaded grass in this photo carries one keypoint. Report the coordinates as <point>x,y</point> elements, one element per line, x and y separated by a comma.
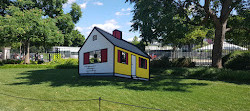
<point>164,91</point>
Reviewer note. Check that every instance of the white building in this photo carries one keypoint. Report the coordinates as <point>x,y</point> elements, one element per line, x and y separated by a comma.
<point>66,52</point>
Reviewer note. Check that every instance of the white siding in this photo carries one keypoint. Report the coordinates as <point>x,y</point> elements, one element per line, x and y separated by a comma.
<point>90,45</point>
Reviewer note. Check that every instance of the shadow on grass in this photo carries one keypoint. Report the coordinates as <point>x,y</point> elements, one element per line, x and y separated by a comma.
<point>70,77</point>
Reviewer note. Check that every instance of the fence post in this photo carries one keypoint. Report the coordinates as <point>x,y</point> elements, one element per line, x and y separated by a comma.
<point>99,103</point>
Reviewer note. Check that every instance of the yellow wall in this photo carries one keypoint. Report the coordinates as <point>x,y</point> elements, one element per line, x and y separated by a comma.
<point>125,69</point>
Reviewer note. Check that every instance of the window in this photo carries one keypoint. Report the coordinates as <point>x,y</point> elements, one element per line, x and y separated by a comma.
<point>97,56</point>
<point>122,57</point>
<point>94,37</point>
<point>142,63</point>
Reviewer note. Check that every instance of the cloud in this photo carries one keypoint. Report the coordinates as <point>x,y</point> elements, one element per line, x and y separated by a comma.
<point>109,25</point>
<point>83,5</point>
<point>129,23</point>
<point>98,3</point>
<point>68,3</point>
<point>123,12</point>
<point>79,28</point>
<point>120,13</point>
<point>128,9</point>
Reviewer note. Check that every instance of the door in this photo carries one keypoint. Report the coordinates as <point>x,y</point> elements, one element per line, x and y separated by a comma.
<point>133,66</point>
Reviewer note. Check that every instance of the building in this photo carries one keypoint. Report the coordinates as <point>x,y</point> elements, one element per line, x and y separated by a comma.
<point>105,54</point>
<point>156,50</point>
<point>66,52</point>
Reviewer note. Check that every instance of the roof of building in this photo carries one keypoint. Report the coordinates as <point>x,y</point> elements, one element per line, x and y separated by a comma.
<point>122,43</point>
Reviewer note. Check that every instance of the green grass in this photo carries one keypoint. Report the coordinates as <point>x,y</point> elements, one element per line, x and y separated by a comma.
<point>164,91</point>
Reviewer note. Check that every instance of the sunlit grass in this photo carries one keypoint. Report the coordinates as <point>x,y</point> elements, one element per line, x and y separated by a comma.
<point>164,91</point>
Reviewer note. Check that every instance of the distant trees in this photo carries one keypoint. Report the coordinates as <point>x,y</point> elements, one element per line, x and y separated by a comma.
<point>38,23</point>
<point>28,26</point>
<point>135,40</point>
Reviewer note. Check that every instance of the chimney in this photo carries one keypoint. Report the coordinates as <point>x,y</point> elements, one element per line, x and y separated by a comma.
<point>117,34</point>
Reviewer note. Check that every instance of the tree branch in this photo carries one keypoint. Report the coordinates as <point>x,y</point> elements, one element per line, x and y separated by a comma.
<point>228,29</point>
<point>226,10</point>
<point>210,12</point>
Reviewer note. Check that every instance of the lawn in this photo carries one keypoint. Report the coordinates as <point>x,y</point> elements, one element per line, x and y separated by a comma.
<point>163,91</point>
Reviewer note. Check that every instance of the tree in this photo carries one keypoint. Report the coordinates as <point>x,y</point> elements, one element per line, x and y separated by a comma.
<point>135,40</point>
<point>75,12</point>
<point>196,35</point>
<point>192,12</point>
<point>240,32</point>
<point>28,26</point>
<point>50,8</point>
<point>75,39</point>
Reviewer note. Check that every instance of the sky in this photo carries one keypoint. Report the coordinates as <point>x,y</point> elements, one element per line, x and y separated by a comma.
<point>105,14</point>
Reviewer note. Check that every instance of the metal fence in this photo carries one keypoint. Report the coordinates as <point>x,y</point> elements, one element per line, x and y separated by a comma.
<point>80,100</point>
<point>201,56</point>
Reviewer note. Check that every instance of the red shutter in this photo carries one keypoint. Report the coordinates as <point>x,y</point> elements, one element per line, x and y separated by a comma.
<point>104,55</point>
<point>86,58</point>
<point>139,62</point>
<point>145,64</point>
<point>119,56</point>
<point>126,58</point>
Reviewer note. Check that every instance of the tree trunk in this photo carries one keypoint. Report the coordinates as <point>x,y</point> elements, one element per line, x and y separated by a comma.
<point>220,31</point>
<point>27,52</point>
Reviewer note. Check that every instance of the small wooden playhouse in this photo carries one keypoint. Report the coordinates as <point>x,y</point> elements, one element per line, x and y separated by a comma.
<point>105,54</point>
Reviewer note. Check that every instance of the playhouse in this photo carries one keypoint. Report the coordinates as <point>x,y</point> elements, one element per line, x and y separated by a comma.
<point>105,54</point>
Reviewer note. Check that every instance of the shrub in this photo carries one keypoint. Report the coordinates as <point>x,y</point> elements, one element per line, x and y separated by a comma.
<point>183,62</point>
<point>238,76</point>
<point>161,63</point>
<point>1,63</point>
<point>237,60</point>
<point>40,62</point>
<point>11,61</point>
<point>68,64</point>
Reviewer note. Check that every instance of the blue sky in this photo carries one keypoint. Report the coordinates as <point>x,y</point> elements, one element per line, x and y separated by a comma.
<point>105,14</point>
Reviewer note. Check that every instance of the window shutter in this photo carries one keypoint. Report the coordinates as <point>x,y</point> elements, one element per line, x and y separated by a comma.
<point>145,64</point>
<point>119,56</point>
<point>139,62</point>
<point>86,58</point>
<point>126,58</point>
<point>104,55</point>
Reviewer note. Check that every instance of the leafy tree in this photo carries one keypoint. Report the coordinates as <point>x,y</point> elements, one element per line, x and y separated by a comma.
<point>192,12</point>
<point>240,32</point>
<point>75,39</point>
<point>51,9</point>
<point>75,12</point>
<point>135,40</point>
<point>28,26</point>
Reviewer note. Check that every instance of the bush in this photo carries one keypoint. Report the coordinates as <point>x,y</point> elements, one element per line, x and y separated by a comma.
<point>40,62</point>
<point>237,76</point>
<point>237,60</point>
<point>11,61</point>
<point>161,63</point>
<point>65,63</point>
<point>1,63</point>
<point>183,62</point>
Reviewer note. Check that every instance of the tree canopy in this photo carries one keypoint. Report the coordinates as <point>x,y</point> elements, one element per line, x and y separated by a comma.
<point>39,23</point>
<point>170,20</point>
<point>29,26</point>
